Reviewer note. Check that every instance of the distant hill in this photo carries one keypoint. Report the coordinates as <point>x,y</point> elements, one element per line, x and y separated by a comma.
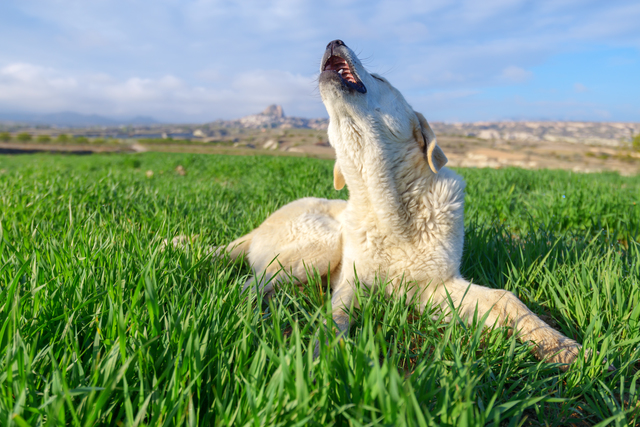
<point>71,119</point>
<point>593,133</point>
<point>273,117</point>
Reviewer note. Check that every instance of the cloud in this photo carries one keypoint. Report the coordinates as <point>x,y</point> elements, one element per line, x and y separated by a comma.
<point>28,87</point>
<point>191,54</point>
<point>515,74</point>
<point>579,88</point>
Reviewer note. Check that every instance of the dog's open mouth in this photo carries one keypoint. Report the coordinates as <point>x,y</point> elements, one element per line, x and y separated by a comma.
<point>348,78</point>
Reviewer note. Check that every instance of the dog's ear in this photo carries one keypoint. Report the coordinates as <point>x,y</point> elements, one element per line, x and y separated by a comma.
<point>338,178</point>
<point>427,140</point>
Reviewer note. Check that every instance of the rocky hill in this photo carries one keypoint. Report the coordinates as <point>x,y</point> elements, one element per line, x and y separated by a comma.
<point>68,119</point>
<point>273,117</point>
<point>590,133</point>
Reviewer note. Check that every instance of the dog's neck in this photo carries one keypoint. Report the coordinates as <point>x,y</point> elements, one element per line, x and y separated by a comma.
<point>384,181</point>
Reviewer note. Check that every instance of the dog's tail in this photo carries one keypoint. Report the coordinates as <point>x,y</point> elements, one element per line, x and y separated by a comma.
<point>235,249</point>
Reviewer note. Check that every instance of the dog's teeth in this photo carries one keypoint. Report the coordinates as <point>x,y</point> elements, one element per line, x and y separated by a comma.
<point>340,71</point>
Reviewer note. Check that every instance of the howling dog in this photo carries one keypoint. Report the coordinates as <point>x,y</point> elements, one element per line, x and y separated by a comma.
<point>403,220</point>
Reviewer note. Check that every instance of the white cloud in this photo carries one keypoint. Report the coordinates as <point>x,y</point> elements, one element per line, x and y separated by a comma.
<point>181,57</point>
<point>515,74</point>
<point>579,88</point>
<point>28,87</point>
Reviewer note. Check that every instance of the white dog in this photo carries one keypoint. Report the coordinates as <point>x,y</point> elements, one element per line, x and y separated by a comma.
<point>403,220</point>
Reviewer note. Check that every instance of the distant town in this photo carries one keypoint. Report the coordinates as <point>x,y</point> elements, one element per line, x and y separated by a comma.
<point>92,127</point>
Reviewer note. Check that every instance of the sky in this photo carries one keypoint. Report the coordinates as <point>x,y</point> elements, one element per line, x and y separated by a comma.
<point>195,61</point>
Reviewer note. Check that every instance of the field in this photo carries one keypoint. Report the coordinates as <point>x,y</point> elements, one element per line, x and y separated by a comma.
<point>98,326</point>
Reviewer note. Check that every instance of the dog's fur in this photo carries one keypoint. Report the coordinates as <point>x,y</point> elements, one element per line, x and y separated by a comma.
<point>403,220</point>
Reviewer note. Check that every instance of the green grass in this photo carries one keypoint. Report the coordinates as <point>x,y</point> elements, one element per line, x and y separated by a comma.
<point>100,327</point>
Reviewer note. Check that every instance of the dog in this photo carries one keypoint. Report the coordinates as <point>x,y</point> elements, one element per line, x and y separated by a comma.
<point>403,220</point>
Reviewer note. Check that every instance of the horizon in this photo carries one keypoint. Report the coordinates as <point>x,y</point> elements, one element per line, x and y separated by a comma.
<point>201,61</point>
<point>152,121</point>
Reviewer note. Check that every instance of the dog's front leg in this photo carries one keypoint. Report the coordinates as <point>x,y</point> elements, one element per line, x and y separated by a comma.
<point>341,304</point>
<point>505,309</point>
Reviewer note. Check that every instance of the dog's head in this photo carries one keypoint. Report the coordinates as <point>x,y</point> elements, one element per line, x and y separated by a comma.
<point>372,107</point>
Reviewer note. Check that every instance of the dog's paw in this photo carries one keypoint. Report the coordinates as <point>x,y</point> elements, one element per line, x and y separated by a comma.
<point>589,353</point>
<point>566,352</point>
<point>179,242</point>
<point>217,251</point>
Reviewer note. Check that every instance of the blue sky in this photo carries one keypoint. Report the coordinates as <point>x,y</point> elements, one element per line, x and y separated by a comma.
<point>200,60</point>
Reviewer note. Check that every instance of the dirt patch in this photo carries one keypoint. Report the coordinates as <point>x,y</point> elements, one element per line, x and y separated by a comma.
<point>472,152</point>
<point>82,149</point>
<point>461,151</point>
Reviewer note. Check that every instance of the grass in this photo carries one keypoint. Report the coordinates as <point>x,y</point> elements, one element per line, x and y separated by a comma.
<point>100,327</point>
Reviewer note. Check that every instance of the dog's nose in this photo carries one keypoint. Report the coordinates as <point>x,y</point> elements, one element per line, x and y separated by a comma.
<point>334,44</point>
